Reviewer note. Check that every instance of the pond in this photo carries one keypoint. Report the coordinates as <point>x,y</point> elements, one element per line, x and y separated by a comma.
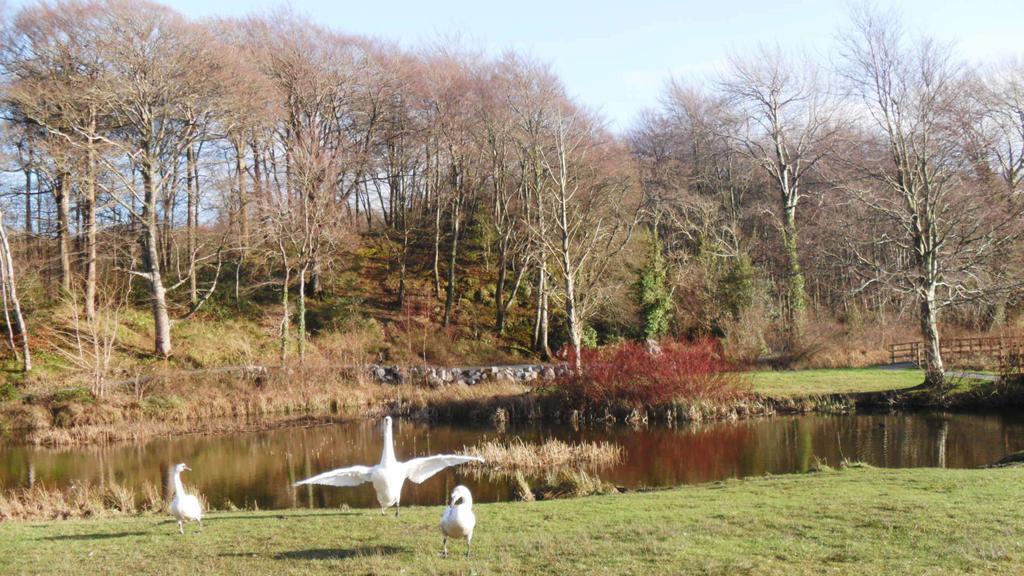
<point>258,469</point>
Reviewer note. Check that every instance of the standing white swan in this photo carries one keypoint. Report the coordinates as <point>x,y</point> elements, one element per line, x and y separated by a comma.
<point>389,476</point>
<point>458,519</point>
<point>184,506</point>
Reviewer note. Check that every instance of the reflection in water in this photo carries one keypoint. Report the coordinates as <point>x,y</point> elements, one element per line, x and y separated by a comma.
<point>259,468</point>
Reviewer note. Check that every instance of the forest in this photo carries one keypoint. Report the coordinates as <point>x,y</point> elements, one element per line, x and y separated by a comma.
<point>289,190</point>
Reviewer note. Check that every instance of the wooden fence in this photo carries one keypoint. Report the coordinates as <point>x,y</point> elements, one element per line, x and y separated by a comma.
<point>959,349</point>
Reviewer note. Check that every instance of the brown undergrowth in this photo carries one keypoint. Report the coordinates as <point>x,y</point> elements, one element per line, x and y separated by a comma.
<point>78,501</point>
<point>224,401</point>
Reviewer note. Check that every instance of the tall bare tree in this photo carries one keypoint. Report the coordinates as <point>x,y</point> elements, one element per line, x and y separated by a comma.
<point>786,125</point>
<point>927,208</point>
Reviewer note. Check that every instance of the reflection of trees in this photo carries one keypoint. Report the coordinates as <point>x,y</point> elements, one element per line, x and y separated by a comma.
<point>940,444</point>
<point>261,467</point>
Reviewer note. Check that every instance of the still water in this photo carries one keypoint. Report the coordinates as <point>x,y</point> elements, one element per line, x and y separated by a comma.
<point>248,469</point>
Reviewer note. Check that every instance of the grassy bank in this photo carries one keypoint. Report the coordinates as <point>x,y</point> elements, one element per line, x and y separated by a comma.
<point>855,521</point>
<point>790,383</point>
<point>227,404</point>
<point>216,402</point>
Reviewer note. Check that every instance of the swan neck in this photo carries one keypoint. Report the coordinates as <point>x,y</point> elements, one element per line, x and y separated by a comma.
<point>388,455</point>
<point>179,490</point>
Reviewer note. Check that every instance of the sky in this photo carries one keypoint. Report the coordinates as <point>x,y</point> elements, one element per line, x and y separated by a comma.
<point>616,56</point>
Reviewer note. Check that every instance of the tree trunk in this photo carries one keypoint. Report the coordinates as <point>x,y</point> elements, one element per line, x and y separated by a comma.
<point>316,285</point>
<point>796,298</point>
<point>302,311</point>
<point>997,313</point>
<point>165,229</point>
<point>257,172</point>
<point>571,314</point>
<point>499,290</point>
<point>62,196</point>
<point>449,299</point>
<point>540,324</point>
<point>151,261</point>
<point>90,234</point>
<point>192,218</point>
<point>28,199</point>
<point>437,250</point>
<point>934,369</point>
<point>243,196</point>
<point>12,290</point>
<point>286,315</point>
<point>403,264</point>
<point>568,269</point>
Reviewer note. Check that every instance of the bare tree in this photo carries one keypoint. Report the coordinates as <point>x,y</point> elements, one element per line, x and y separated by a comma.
<point>589,207</point>
<point>158,67</point>
<point>925,206</point>
<point>787,126</point>
<point>8,284</point>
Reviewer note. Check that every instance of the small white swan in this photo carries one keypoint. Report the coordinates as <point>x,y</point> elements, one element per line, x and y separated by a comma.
<point>184,506</point>
<point>389,476</point>
<point>458,519</point>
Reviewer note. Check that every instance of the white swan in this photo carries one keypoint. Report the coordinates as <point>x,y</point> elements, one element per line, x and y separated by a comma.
<point>458,519</point>
<point>184,506</point>
<point>389,476</point>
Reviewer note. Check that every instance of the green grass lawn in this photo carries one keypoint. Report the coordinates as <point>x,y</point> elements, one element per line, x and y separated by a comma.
<point>855,521</point>
<point>833,381</point>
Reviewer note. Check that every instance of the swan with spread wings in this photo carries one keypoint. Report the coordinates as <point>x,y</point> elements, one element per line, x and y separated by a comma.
<point>389,476</point>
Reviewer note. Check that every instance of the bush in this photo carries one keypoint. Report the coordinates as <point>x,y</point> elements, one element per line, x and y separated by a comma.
<point>629,373</point>
<point>652,293</point>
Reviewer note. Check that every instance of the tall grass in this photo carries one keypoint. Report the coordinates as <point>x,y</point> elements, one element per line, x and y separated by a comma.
<point>77,501</point>
<point>518,455</point>
<point>82,500</point>
<point>563,483</point>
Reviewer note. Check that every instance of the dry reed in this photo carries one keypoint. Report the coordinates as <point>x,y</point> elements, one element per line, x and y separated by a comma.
<point>565,483</point>
<point>82,500</point>
<point>552,453</point>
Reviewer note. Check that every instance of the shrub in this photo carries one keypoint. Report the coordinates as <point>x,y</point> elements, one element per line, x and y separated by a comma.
<point>630,373</point>
<point>652,293</point>
<point>8,391</point>
<point>734,291</point>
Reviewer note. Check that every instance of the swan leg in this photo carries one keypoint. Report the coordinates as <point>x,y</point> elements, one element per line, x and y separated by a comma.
<point>444,553</point>
<point>469,546</point>
<point>200,525</point>
<point>381,510</point>
<point>397,506</point>
<point>181,528</point>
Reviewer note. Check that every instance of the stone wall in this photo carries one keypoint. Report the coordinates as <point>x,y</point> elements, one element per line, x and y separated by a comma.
<point>465,376</point>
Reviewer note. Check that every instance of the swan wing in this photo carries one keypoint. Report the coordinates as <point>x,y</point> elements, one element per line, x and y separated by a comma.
<point>419,469</point>
<point>191,508</point>
<point>351,476</point>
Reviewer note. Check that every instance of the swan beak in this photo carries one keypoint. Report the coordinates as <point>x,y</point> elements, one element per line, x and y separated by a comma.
<point>187,469</point>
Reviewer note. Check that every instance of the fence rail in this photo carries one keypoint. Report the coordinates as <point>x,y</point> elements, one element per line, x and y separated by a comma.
<point>958,349</point>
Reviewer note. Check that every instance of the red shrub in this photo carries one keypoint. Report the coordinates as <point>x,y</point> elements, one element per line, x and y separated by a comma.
<point>628,373</point>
